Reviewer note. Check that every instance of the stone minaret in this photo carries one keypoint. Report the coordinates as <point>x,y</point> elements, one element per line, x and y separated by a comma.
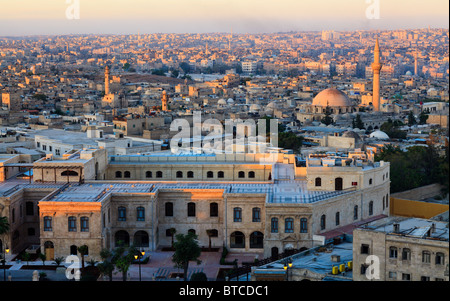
<point>106,80</point>
<point>164,101</point>
<point>416,65</point>
<point>376,67</point>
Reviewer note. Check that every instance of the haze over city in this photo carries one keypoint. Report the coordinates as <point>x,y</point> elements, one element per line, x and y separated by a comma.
<point>48,17</point>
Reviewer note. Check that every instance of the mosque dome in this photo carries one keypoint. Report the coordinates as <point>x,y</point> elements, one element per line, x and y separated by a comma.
<point>222,102</point>
<point>408,73</point>
<point>255,107</point>
<point>272,105</point>
<point>379,135</point>
<point>230,101</point>
<point>351,134</point>
<point>333,98</point>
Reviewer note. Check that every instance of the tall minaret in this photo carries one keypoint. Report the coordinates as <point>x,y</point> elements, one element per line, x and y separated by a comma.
<point>106,80</point>
<point>164,101</point>
<point>376,67</point>
<point>416,65</point>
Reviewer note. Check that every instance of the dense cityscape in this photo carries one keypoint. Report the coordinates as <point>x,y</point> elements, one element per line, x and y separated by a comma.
<point>93,169</point>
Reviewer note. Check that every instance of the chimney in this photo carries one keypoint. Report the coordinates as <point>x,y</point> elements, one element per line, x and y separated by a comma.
<point>335,258</point>
<point>396,228</point>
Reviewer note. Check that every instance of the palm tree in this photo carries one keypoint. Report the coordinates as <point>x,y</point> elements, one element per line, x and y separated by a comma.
<point>83,251</point>
<point>172,232</point>
<point>42,257</point>
<point>4,225</point>
<point>106,267</point>
<point>209,232</point>
<point>58,260</point>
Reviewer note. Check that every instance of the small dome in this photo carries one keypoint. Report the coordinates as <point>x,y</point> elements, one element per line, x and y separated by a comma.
<point>332,98</point>
<point>379,135</point>
<point>230,100</point>
<point>255,107</point>
<point>272,105</point>
<point>351,134</point>
<point>222,102</point>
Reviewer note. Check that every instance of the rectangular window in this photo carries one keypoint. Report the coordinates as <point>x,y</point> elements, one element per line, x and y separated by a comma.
<point>274,225</point>
<point>84,224</point>
<point>393,275</point>
<point>289,225</point>
<point>72,224</point>
<point>406,277</point>
<point>237,215</point>
<point>364,249</point>
<point>48,223</point>
<point>256,215</point>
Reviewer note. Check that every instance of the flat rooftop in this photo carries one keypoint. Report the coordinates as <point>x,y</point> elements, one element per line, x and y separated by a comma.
<point>286,192</point>
<point>411,227</point>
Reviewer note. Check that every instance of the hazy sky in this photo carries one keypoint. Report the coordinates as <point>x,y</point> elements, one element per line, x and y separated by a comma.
<point>31,17</point>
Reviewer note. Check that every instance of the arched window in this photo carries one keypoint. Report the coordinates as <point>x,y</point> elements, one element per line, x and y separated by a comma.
<point>289,225</point>
<point>148,174</point>
<point>169,209</point>
<point>140,239</point>
<point>190,174</point>
<point>140,214</point>
<point>48,223</point>
<point>210,174</point>
<point>256,215</point>
<point>406,254</point>
<point>426,257</point>
<point>73,250</point>
<point>159,174</point>
<point>237,215</point>
<point>179,174</point>
<point>84,224</point>
<point>191,231</point>
<point>220,174</point>
<point>126,174</point>
<point>303,225</point>
<point>118,174</point>
<point>241,174</point>
<point>191,209</point>
<point>69,173</point>
<point>440,258</point>
<point>256,240</point>
<point>393,252</point>
<point>318,182</point>
<point>237,240</point>
<point>122,238</point>
<point>370,181</point>
<point>122,211</point>
<point>29,208</point>
<point>338,218</point>
<point>371,208</point>
<point>274,225</point>
<point>251,174</point>
<point>72,221</point>
<point>323,222</point>
<point>355,212</point>
<point>213,210</point>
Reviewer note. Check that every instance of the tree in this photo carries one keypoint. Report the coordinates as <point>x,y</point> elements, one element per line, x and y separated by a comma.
<point>42,257</point>
<point>106,267</point>
<point>209,232</point>
<point>83,251</point>
<point>4,225</point>
<point>26,256</point>
<point>290,140</point>
<point>172,232</point>
<point>122,258</point>
<point>423,117</point>
<point>185,67</point>
<point>186,249</point>
<point>57,260</point>
<point>411,119</point>
<point>327,119</point>
<point>357,123</point>
<point>200,276</point>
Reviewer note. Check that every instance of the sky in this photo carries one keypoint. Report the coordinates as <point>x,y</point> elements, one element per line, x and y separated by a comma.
<point>50,17</point>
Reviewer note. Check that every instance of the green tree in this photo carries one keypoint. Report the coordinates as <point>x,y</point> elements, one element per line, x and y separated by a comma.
<point>423,117</point>
<point>106,267</point>
<point>57,260</point>
<point>200,276</point>
<point>186,249</point>
<point>289,140</point>
<point>357,122</point>
<point>4,225</point>
<point>83,251</point>
<point>327,119</point>
<point>122,258</point>
<point>43,258</point>
<point>172,232</point>
<point>185,67</point>
<point>411,119</point>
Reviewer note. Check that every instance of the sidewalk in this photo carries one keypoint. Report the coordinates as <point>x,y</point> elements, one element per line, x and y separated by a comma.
<point>159,268</point>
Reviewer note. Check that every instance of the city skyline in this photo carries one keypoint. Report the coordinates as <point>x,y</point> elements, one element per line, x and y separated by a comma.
<point>47,17</point>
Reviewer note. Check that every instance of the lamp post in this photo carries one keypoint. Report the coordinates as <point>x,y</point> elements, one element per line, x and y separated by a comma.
<point>138,257</point>
<point>5,251</point>
<point>287,266</point>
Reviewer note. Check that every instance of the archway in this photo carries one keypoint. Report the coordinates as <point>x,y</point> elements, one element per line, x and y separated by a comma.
<point>141,239</point>
<point>338,184</point>
<point>256,240</point>
<point>237,240</point>
<point>122,236</point>
<point>49,250</point>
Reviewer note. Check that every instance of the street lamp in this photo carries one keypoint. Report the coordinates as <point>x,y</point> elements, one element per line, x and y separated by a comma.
<point>287,266</point>
<point>5,251</point>
<point>140,254</point>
